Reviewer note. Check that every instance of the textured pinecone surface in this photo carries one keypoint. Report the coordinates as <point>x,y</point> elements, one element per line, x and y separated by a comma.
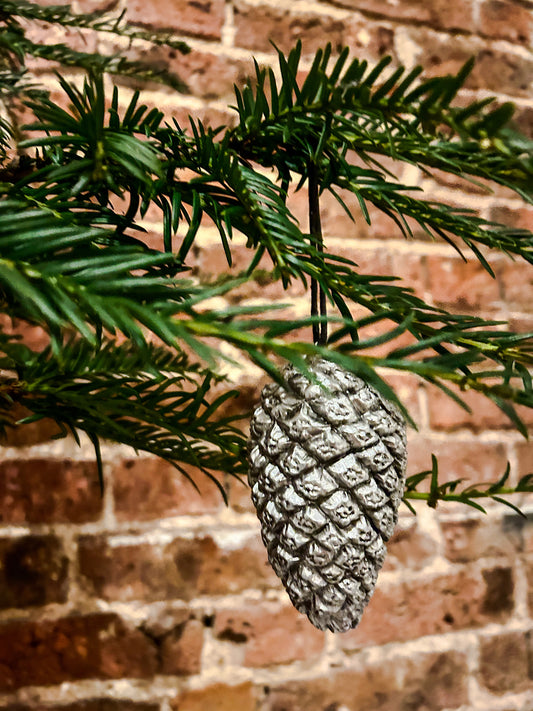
<point>327,471</point>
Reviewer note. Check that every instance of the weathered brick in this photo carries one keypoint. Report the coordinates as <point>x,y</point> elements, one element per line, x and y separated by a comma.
<point>33,571</point>
<point>472,461</point>
<point>503,663</point>
<point>78,39</point>
<point>517,282</point>
<point>96,646</point>
<point>209,260</point>
<point>27,434</point>
<point>146,489</point>
<point>523,119</point>
<point>184,568</point>
<point>506,19</point>
<point>271,633</point>
<point>524,453</point>
<point>411,269</point>
<point>406,387</point>
<point>239,495</point>
<point>257,25</point>
<point>368,39</point>
<point>205,74</point>
<point>502,72</point>
<point>409,547</point>
<point>520,217</point>
<point>436,53</point>
<point>181,650</point>
<point>35,337</point>
<point>521,323</point>
<point>430,682</point>
<point>463,285</point>
<point>435,13</point>
<point>414,609</point>
<point>474,538</point>
<point>217,697</point>
<point>48,491</point>
<point>446,414</point>
<point>96,5</point>
<point>179,637</point>
<point>494,70</point>
<point>211,76</point>
<point>336,223</point>
<point>202,19</point>
<point>97,704</point>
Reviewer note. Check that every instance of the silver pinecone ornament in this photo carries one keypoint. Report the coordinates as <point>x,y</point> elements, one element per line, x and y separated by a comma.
<point>327,471</point>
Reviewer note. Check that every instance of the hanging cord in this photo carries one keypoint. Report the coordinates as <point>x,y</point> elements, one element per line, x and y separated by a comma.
<point>318,296</point>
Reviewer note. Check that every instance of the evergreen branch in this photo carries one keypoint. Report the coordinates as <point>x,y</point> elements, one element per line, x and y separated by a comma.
<point>133,396</point>
<point>13,40</point>
<point>278,126</point>
<point>469,495</point>
<point>98,21</point>
<point>97,63</point>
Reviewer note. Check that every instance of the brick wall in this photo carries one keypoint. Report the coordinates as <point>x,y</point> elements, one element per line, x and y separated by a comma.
<point>154,598</point>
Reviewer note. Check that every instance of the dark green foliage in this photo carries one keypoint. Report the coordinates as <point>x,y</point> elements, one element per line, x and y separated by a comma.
<point>79,268</point>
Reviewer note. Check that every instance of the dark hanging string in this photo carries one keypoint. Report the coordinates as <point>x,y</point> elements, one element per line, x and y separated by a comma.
<point>318,296</point>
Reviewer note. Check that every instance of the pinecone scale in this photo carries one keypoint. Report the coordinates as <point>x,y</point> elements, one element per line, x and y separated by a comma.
<point>326,470</point>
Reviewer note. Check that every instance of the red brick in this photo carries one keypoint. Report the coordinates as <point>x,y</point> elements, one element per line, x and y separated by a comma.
<point>206,75</point>
<point>435,13</point>
<point>179,637</point>
<point>524,452</point>
<point>239,495</point>
<point>517,282</point>
<point>98,646</point>
<point>271,633</point>
<point>27,434</point>
<point>202,19</point>
<point>49,491</point>
<point>181,651</point>
<point>494,70</point>
<point>521,323</point>
<point>504,19</point>
<point>502,72</point>
<point>96,5</point>
<point>414,609</point>
<point>473,461</point>
<point>503,663</point>
<point>428,682</point>
<point>459,183</point>
<point>225,572</point>
<point>35,337</point>
<point>211,76</point>
<point>446,414</point>
<point>462,285</point>
<point>476,538</point>
<point>409,547</point>
<point>77,39</point>
<point>335,221</point>
<point>406,388</point>
<point>411,269</point>
<point>33,571</point>
<point>210,260</point>
<point>147,489</point>
<point>523,119</point>
<point>369,40</point>
<point>256,26</point>
<point>217,697</point>
<point>184,569</point>
<point>97,704</point>
<point>520,217</point>
<point>529,575</point>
